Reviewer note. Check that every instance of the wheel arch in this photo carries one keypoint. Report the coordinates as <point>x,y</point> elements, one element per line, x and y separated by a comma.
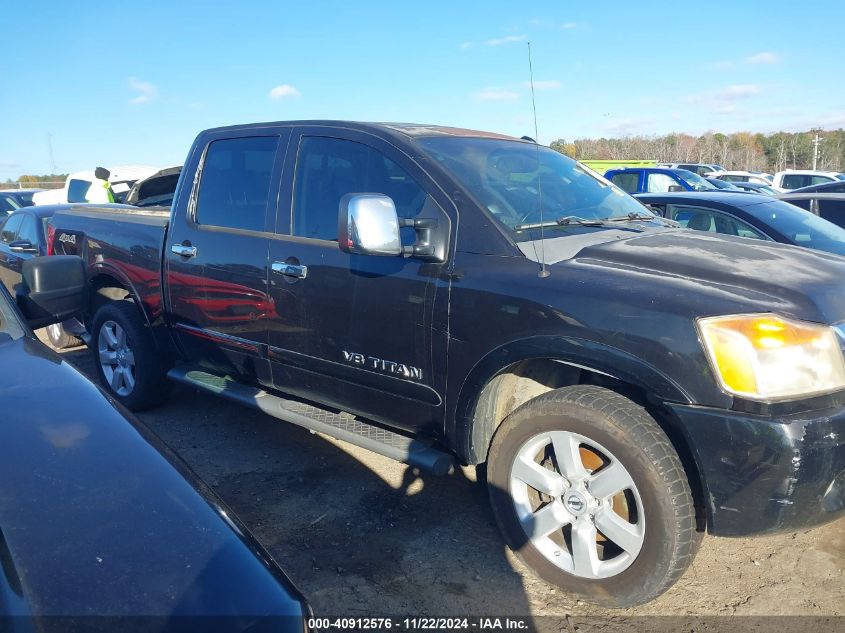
<point>108,283</point>
<point>519,371</point>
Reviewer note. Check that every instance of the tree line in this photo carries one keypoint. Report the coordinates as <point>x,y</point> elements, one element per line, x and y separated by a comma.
<point>741,150</point>
<point>29,180</point>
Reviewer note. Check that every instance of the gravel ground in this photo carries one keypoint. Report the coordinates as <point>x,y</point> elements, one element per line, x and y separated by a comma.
<point>362,535</point>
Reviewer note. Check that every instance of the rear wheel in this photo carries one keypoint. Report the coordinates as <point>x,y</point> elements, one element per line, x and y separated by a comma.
<point>589,492</point>
<point>126,358</point>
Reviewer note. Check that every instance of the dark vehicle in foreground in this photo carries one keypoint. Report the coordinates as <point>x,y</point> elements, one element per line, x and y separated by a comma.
<point>11,199</point>
<point>655,180</point>
<point>23,235</point>
<point>748,215</point>
<point>408,289</point>
<point>99,518</point>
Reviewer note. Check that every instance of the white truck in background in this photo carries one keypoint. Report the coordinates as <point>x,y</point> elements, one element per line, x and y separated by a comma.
<point>90,186</point>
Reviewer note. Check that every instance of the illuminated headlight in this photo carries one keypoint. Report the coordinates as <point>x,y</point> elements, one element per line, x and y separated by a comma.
<point>767,357</point>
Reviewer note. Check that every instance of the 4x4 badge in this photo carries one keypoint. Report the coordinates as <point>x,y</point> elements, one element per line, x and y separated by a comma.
<point>383,366</point>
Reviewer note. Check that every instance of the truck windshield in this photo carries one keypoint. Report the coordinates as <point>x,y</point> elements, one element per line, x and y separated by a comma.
<point>510,178</point>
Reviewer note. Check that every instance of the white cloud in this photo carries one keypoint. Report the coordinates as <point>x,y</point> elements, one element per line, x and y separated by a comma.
<point>724,95</point>
<point>496,94</point>
<point>508,39</point>
<point>724,108</point>
<point>627,126</point>
<point>551,84</point>
<point>145,90</point>
<point>569,26</point>
<point>284,90</point>
<point>762,58</point>
<point>465,45</point>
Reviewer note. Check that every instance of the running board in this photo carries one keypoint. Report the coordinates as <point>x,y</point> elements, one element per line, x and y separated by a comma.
<point>343,426</point>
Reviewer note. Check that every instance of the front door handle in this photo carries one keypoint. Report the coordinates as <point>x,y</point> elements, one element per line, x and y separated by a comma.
<point>185,250</point>
<point>290,270</point>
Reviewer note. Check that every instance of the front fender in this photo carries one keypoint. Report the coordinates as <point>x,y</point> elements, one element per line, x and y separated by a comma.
<point>471,439</point>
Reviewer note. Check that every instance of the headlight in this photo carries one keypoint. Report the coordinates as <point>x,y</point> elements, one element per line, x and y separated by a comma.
<point>767,357</point>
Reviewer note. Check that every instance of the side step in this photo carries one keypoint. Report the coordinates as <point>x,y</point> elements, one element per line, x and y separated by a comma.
<point>343,426</point>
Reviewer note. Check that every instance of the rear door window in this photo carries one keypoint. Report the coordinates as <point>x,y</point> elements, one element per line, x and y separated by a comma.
<point>628,181</point>
<point>235,183</point>
<point>10,229</point>
<point>794,181</point>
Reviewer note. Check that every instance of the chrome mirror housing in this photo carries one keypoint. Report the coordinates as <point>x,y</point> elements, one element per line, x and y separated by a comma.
<point>368,225</point>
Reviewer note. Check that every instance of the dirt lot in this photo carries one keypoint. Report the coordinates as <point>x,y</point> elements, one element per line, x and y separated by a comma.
<point>362,535</point>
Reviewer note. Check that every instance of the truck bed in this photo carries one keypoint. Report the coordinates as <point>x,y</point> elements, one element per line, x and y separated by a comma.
<point>117,240</point>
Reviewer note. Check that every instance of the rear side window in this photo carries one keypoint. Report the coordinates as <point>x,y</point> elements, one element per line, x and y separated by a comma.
<point>77,190</point>
<point>7,205</point>
<point>10,229</point>
<point>794,181</point>
<point>629,182</point>
<point>329,168</point>
<point>235,182</point>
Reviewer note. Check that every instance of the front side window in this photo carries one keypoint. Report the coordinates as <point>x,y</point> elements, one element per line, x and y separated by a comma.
<point>818,180</point>
<point>660,183</point>
<point>703,219</point>
<point>235,182</point>
<point>695,181</point>
<point>329,168</point>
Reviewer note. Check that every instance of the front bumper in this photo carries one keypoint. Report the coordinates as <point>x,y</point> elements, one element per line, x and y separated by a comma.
<point>766,474</point>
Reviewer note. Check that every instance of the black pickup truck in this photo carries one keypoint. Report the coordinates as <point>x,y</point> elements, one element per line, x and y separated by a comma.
<point>439,295</point>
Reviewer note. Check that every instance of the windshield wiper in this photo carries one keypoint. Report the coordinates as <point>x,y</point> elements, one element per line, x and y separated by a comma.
<point>574,219</point>
<point>564,221</point>
<point>633,215</point>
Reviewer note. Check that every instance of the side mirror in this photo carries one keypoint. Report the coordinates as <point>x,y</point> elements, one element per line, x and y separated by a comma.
<point>22,246</point>
<point>52,289</point>
<point>673,188</point>
<point>368,225</point>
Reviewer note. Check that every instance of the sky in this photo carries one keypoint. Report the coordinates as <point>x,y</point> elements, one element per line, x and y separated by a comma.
<point>133,83</point>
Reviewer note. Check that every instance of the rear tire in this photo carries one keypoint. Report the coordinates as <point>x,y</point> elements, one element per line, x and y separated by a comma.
<point>608,513</point>
<point>125,355</point>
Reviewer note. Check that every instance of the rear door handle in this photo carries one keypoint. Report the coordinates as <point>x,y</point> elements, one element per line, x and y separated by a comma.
<point>290,270</point>
<point>185,250</point>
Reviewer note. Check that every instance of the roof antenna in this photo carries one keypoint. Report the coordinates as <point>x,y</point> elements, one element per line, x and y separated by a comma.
<point>543,271</point>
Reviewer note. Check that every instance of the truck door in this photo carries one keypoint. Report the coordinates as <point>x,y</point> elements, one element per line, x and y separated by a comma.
<point>365,334</point>
<point>216,252</point>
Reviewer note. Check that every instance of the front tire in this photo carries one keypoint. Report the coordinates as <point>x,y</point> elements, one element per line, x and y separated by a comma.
<point>591,495</point>
<point>125,355</point>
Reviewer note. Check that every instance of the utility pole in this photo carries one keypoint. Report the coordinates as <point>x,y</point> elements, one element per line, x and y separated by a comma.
<point>50,148</point>
<point>816,142</point>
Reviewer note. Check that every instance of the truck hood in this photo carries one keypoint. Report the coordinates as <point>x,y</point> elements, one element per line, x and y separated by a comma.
<point>753,275</point>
